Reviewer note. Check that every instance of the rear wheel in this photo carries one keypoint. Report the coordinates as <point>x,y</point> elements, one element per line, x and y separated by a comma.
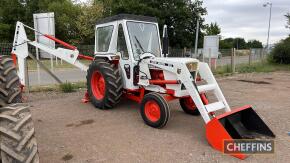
<point>10,91</point>
<point>18,143</point>
<point>188,106</point>
<point>104,84</point>
<point>154,110</point>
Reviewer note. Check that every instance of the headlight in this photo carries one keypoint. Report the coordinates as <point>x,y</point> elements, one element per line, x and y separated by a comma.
<point>191,66</point>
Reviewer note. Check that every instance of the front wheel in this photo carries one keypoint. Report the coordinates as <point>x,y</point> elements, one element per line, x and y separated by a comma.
<point>155,110</point>
<point>188,106</point>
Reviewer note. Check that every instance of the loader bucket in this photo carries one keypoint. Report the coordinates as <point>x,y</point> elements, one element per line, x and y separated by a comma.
<point>241,123</point>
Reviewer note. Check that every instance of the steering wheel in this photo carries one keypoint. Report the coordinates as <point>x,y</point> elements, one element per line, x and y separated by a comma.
<point>146,55</point>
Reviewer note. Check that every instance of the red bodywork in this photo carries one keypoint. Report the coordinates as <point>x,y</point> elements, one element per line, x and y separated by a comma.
<point>71,47</point>
<point>240,123</point>
<point>157,78</point>
<point>61,42</point>
<point>216,133</point>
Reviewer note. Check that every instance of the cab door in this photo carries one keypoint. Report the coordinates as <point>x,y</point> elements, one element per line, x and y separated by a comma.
<point>126,61</point>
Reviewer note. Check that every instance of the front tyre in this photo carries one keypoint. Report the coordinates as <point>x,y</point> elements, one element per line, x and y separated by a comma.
<point>104,84</point>
<point>154,110</point>
<point>188,106</point>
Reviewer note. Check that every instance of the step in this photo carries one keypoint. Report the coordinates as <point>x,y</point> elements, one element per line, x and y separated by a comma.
<point>207,87</point>
<point>215,106</point>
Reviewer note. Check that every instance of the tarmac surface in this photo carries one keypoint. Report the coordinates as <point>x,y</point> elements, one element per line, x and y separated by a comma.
<point>70,131</point>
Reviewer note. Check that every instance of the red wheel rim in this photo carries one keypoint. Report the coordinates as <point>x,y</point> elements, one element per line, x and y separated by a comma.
<point>152,111</point>
<point>188,102</point>
<point>98,85</point>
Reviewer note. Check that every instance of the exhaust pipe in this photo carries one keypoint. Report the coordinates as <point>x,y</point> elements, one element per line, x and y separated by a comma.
<point>241,123</point>
<point>165,42</point>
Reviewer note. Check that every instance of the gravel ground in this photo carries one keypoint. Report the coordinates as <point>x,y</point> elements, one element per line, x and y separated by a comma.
<point>70,131</point>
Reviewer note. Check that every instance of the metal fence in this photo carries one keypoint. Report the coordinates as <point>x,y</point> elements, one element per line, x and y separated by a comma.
<point>242,56</point>
<point>6,48</point>
<point>226,57</point>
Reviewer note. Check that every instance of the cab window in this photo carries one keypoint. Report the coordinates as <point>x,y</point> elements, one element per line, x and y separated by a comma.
<point>121,43</point>
<point>103,38</point>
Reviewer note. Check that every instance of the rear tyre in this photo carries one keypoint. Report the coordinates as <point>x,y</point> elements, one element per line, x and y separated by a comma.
<point>104,84</point>
<point>18,143</point>
<point>10,91</point>
<point>188,106</point>
<point>154,110</point>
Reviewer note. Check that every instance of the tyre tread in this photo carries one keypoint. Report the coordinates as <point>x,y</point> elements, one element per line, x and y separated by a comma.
<point>17,140</point>
<point>113,82</point>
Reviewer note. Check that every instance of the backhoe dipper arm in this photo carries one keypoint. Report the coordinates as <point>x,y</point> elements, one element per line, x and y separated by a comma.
<point>20,49</point>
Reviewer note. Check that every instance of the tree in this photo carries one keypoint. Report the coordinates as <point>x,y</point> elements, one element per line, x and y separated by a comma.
<point>239,43</point>
<point>66,15</point>
<point>86,22</point>
<point>224,44</point>
<point>74,22</point>
<point>212,29</point>
<point>10,12</point>
<point>254,44</point>
<point>179,15</point>
<point>281,52</point>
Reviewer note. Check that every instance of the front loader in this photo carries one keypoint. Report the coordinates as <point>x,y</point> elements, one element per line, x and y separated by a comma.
<point>128,63</point>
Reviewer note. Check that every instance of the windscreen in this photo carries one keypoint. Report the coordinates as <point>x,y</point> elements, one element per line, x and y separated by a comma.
<point>144,39</point>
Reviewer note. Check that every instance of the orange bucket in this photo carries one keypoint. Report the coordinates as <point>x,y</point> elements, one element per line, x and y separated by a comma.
<point>241,123</point>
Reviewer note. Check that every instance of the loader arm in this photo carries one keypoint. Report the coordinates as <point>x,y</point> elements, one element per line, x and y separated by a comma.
<point>185,77</point>
<point>240,123</point>
<point>20,49</point>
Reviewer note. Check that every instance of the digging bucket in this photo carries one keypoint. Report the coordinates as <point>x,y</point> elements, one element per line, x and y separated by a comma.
<point>241,123</point>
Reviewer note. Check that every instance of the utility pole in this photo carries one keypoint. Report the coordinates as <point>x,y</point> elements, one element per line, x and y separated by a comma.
<point>269,26</point>
<point>196,37</point>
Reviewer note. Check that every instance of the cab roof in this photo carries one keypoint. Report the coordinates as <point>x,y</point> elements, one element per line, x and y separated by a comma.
<point>127,17</point>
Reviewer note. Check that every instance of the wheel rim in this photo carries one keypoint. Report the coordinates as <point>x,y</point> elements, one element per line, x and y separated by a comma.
<point>152,111</point>
<point>98,85</point>
<point>189,103</point>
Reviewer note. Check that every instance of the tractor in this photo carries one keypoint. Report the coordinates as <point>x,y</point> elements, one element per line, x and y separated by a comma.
<point>129,62</point>
<point>17,140</point>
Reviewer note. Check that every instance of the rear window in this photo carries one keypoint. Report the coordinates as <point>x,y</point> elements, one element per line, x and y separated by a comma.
<point>103,38</point>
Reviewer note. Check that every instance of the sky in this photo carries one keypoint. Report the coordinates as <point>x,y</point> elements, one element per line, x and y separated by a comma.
<point>248,18</point>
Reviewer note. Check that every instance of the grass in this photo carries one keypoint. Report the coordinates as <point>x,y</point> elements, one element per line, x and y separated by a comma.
<point>254,67</point>
<point>223,70</point>
<point>32,65</point>
<point>65,87</point>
